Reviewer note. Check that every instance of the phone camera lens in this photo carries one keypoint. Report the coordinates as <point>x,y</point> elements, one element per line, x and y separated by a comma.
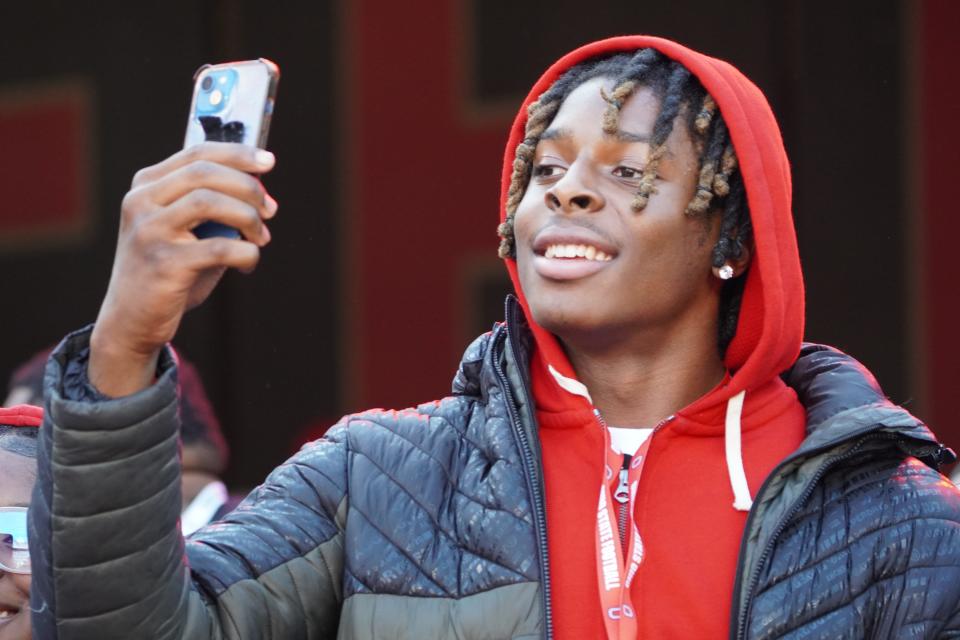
<point>207,83</point>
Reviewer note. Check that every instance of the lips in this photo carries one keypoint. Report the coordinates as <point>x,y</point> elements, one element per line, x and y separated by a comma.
<point>7,613</point>
<point>10,604</point>
<point>571,253</point>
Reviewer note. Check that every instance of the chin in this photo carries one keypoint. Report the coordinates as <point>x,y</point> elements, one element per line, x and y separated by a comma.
<point>16,627</point>
<point>566,315</point>
<point>578,304</point>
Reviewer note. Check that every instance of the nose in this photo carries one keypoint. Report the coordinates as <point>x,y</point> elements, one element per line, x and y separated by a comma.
<point>574,192</point>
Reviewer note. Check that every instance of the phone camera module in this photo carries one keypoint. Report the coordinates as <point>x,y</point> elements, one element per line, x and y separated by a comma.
<point>216,90</point>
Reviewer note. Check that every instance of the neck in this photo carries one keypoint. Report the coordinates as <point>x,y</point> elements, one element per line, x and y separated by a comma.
<point>640,381</point>
<point>192,483</point>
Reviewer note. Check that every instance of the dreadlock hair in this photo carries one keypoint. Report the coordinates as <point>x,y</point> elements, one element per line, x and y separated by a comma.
<point>720,185</point>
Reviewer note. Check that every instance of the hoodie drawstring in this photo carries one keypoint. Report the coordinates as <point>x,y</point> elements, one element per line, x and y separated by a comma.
<point>734,449</point>
<point>738,478</point>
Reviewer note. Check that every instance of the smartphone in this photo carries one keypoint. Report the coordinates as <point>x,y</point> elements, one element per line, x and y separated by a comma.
<point>232,102</point>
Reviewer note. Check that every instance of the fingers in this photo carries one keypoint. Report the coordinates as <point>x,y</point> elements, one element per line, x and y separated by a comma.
<point>238,156</point>
<point>210,181</point>
<point>211,253</point>
<point>200,205</point>
<point>206,174</point>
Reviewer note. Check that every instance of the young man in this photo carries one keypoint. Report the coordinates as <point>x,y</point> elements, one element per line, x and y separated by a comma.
<point>18,471</point>
<point>621,458</point>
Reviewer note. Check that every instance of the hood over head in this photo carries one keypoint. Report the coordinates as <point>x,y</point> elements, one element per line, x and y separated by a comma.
<point>770,325</point>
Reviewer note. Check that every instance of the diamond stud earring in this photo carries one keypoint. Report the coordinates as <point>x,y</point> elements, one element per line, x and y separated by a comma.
<point>725,272</point>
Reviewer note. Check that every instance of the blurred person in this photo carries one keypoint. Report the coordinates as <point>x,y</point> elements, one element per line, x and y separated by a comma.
<point>204,450</point>
<point>18,471</point>
<point>204,454</point>
<point>642,449</point>
<point>26,381</point>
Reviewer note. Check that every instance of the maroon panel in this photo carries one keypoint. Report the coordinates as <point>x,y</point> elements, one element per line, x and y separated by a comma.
<point>44,164</point>
<point>422,196</point>
<point>940,162</point>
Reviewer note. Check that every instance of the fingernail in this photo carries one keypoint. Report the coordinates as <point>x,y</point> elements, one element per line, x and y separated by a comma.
<point>264,158</point>
<point>272,207</point>
<point>266,234</point>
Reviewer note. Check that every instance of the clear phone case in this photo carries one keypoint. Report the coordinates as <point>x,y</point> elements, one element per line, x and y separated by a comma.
<point>232,102</point>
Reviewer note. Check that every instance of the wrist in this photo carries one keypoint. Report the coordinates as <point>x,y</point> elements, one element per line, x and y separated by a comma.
<point>116,368</point>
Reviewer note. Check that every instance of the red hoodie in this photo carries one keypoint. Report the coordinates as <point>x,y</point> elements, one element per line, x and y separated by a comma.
<point>684,509</point>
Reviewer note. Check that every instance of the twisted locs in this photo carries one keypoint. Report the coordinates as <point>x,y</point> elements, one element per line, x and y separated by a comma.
<point>539,115</point>
<point>709,164</point>
<point>662,128</point>
<point>635,70</point>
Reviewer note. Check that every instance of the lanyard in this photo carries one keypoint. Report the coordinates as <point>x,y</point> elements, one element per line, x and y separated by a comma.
<point>616,570</point>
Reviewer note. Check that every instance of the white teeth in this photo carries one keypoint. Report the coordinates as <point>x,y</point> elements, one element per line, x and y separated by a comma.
<point>576,251</point>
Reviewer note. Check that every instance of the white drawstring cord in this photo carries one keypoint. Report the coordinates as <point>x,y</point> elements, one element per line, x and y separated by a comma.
<point>570,385</point>
<point>738,478</point>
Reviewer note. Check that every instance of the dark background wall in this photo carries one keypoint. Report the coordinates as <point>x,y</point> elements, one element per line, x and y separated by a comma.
<point>266,343</point>
<point>389,132</point>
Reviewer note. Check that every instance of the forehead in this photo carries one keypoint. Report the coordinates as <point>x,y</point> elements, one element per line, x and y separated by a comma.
<point>585,106</point>
<point>17,475</point>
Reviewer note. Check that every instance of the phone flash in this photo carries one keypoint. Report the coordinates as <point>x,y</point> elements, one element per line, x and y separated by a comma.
<point>216,97</point>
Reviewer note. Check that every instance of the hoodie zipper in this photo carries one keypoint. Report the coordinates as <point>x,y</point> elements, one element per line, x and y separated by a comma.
<point>747,603</point>
<point>622,495</point>
<point>526,452</point>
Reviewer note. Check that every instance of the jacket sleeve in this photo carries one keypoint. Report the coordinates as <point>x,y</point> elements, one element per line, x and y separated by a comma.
<point>108,557</point>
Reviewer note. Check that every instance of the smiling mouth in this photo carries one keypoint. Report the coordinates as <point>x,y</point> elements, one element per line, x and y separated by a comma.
<point>7,613</point>
<point>575,252</point>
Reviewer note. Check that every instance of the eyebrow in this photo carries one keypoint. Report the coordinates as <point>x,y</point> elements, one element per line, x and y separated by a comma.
<point>620,135</point>
<point>629,136</point>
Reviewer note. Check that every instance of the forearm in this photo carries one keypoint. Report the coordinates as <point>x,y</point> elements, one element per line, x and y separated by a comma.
<point>105,537</point>
<point>104,518</point>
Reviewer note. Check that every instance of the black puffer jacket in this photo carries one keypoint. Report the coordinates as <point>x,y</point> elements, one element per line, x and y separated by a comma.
<point>429,522</point>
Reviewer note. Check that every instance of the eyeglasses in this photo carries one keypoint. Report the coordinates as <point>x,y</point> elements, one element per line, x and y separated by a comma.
<point>14,551</point>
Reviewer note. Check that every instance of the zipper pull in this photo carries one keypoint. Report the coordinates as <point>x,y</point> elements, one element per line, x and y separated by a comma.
<point>622,494</point>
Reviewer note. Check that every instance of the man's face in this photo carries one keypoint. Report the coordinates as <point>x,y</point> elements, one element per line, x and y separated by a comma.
<point>17,475</point>
<point>642,270</point>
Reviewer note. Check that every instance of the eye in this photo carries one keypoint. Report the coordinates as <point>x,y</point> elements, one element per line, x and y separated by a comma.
<point>628,173</point>
<point>545,171</point>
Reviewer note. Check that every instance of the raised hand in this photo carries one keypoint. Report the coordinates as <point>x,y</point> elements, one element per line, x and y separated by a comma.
<point>161,269</point>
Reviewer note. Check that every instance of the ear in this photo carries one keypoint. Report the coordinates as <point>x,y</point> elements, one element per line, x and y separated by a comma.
<point>736,267</point>
<point>740,264</point>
